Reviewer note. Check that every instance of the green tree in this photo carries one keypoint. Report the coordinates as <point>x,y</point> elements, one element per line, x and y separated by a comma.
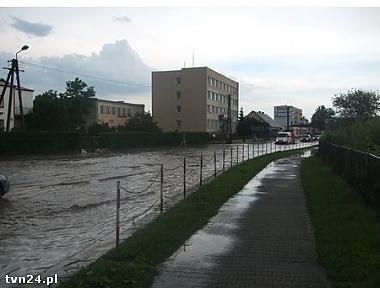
<point>78,100</point>
<point>142,122</point>
<point>357,104</point>
<point>63,111</point>
<point>321,116</point>
<point>49,113</point>
<point>248,126</point>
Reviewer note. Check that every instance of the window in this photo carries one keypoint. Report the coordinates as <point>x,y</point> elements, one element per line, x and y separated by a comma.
<point>113,110</point>
<point>178,80</point>
<point>179,124</point>
<point>107,109</point>
<point>118,111</point>
<point>178,108</point>
<point>124,112</point>
<point>101,109</point>
<point>178,94</point>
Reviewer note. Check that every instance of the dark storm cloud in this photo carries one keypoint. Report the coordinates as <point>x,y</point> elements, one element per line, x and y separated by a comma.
<point>31,28</point>
<point>117,73</point>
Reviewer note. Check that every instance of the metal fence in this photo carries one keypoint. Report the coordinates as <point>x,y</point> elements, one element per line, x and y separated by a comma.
<point>360,169</point>
<point>170,185</point>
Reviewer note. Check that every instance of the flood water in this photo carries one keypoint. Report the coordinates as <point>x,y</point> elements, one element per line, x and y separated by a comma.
<point>59,207</point>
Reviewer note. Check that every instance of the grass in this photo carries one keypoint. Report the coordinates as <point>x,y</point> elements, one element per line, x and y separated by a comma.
<point>135,262</point>
<point>347,232</point>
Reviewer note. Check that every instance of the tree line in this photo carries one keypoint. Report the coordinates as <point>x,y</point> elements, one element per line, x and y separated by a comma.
<point>65,111</point>
<point>356,105</point>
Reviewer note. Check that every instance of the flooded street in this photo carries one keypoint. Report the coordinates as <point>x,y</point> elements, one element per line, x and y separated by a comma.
<point>59,207</point>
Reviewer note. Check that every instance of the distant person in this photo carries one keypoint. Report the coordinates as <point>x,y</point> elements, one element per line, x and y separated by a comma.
<point>183,143</point>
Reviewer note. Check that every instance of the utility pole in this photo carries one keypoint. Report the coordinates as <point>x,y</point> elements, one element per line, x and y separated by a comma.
<point>229,121</point>
<point>14,69</point>
<point>287,118</point>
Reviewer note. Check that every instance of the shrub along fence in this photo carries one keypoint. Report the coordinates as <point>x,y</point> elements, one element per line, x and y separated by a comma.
<point>360,169</point>
<point>21,143</point>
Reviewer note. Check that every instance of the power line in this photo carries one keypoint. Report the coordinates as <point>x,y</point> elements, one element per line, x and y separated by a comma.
<point>86,75</point>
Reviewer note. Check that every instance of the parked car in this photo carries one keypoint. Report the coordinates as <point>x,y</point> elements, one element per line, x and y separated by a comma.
<point>317,137</point>
<point>306,138</point>
<point>285,138</point>
<point>4,185</point>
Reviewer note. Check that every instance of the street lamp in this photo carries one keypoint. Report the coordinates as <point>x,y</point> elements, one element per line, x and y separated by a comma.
<point>23,48</point>
<point>14,69</point>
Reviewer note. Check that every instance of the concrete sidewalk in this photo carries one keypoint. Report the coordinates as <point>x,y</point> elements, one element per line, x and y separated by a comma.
<point>260,238</point>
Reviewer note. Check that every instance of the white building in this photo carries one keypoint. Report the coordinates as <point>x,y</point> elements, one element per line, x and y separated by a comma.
<point>287,116</point>
<point>15,116</point>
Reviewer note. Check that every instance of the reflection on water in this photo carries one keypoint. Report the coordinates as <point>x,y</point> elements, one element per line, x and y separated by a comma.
<point>58,207</point>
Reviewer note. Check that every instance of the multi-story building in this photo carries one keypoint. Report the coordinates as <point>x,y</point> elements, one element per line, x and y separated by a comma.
<point>15,111</point>
<point>195,99</point>
<point>112,113</point>
<point>287,116</point>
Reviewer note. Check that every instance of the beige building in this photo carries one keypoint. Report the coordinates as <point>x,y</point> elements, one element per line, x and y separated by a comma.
<point>112,113</point>
<point>194,100</point>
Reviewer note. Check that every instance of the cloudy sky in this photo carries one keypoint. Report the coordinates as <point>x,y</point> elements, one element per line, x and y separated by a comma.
<point>279,55</point>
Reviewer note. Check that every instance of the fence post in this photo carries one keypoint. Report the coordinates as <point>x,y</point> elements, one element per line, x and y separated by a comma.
<point>248,150</point>
<point>200,180</point>
<point>214,164</point>
<point>184,178</point>
<point>231,156</point>
<point>243,153</point>
<point>266,147</point>
<point>118,214</point>
<point>162,190</point>
<point>237,154</point>
<point>224,158</point>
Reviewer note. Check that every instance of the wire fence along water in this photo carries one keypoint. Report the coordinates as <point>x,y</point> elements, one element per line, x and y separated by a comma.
<point>360,169</point>
<point>172,184</point>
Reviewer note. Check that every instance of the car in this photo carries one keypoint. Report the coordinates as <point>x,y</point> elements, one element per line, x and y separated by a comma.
<point>317,137</point>
<point>285,138</point>
<point>306,138</point>
<point>4,185</point>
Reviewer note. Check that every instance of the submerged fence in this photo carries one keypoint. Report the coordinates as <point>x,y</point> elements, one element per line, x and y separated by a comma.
<point>360,169</point>
<point>169,185</point>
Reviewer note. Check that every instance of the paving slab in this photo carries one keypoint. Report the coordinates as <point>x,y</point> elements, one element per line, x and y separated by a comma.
<point>261,237</point>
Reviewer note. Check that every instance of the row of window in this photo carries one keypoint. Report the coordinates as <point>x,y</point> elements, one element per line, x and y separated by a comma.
<point>220,85</point>
<point>121,112</point>
<point>215,97</point>
<point>220,110</point>
<point>221,98</point>
<point>214,83</point>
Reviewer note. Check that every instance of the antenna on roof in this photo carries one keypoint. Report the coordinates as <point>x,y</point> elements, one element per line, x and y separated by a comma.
<point>193,57</point>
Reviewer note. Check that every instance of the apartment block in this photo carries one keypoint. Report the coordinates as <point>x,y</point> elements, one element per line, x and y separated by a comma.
<point>194,99</point>
<point>112,113</point>
<point>287,115</point>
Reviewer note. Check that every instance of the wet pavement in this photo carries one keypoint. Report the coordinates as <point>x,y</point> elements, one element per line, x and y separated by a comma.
<point>60,213</point>
<point>262,237</point>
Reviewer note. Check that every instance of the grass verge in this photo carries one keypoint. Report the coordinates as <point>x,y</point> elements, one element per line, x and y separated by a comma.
<point>347,232</point>
<point>135,262</point>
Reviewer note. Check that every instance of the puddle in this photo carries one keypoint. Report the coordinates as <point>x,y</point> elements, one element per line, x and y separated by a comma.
<point>215,240</point>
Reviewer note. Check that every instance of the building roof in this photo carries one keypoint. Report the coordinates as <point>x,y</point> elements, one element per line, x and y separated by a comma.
<point>264,117</point>
<point>2,83</point>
